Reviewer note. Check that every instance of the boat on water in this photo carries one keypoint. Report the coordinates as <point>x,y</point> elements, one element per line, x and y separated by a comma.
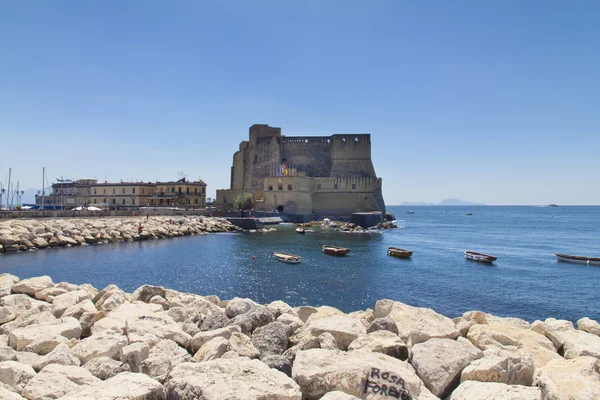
<point>287,258</point>
<point>335,250</point>
<point>410,212</point>
<point>300,231</point>
<point>469,214</point>
<point>305,225</point>
<point>480,257</point>
<point>397,252</point>
<point>578,259</point>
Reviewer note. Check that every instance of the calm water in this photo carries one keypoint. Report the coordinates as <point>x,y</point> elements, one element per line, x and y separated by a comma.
<point>526,281</point>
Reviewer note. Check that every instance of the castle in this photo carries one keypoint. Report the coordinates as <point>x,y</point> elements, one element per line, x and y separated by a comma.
<point>325,176</point>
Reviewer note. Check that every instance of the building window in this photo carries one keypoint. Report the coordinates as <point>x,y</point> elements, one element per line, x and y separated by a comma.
<point>142,190</point>
<point>335,186</point>
<point>173,190</point>
<point>354,186</point>
<point>113,190</point>
<point>187,190</point>
<point>133,200</point>
<point>94,201</point>
<point>123,201</point>
<point>114,201</point>
<point>94,191</point>
<point>289,187</point>
<point>134,190</point>
<point>280,187</point>
<point>123,190</point>
<point>104,190</point>
<point>270,187</point>
<point>203,190</point>
<point>180,189</point>
<point>355,140</point>
<point>318,186</point>
<point>195,201</point>
<point>195,190</point>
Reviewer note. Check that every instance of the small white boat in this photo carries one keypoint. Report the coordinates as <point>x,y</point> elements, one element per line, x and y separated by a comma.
<point>578,259</point>
<point>300,231</point>
<point>480,257</point>
<point>287,258</point>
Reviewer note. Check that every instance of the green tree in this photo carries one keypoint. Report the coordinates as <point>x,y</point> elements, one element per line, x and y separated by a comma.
<point>243,201</point>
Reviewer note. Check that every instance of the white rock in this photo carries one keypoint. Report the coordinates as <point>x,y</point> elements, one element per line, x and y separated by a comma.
<point>153,328</point>
<point>6,283</point>
<point>60,355</point>
<point>226,379</point>
<point>472,390</point>
<point>7,394</point>
<point>50,292</point>
<point>56,380</point>
<point>589,326</point>
<point>571,342</point>
<point>105,367</point>
<point>6,315</point>
<point>99,346</point>
<point>67,327</point>
<point>327,341</point>
<point>577,378</point>
<point>381,342</point>
<point>28,358</point>
<point>344,329</point>
<point>32,285</point>
<point>203,337</point>
<point>7,354</point>
<point>282,308</point>
<point>115,320</point>
<point>523,341</point>
<point>319,313</point>
<point>337,395</point>
<point>45,345</point>
<point>212,349</point>
<point>242,345</point>
<point>291,320</point>
<point>439,362</point>
<point>15,374</point>
<point>125,386</point>
<point>416,324</point>
<point>239,306</point>
<point>64,301</point>
<point>501,366</point>
<point>134,354</point>
<point>162,358</point>
<point>361,374</point>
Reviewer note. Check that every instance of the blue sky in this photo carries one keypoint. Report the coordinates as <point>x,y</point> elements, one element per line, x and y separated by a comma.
<point>494,102</point>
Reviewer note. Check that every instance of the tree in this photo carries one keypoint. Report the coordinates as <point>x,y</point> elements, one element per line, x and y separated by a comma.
<point>243,201</point>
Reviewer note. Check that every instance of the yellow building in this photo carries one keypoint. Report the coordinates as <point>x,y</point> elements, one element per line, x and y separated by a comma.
<point>119,195</point>
<point>182,194</point>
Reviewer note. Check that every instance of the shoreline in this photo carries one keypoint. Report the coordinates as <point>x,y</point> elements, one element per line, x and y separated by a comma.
<point>158,343</point>
<point>37,234</point>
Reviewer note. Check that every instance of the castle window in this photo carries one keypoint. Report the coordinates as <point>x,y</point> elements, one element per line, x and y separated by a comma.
<point>354,186</point>
<point>343,139</point>
<point>195,190</point>
<point>94,201</point>
<point>114,201</point>
<point>94,191</point>
<point>187,190</point>
<point>123,201</point>
<point>255,158</point>
<point>134,190</point>
<point>356,140</point>
<point>270,187</point>
<point>318,186</point>
<point>104,190</point>
<point>280,187</point>
<point>335,186</point>
<point>113,190</point>
<point>195,201</point>
<point>123,190</point>
<point>289,187</point>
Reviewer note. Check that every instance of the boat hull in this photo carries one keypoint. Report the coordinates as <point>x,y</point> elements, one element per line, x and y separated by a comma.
<point>578,259</point>
<point>399,253</point>
<point>335,251</point>
<point>287,258</point>
<point>480,257</point>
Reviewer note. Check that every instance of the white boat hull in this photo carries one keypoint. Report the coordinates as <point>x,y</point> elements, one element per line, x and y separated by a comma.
<point>575,261</point>
<point>288,261</point>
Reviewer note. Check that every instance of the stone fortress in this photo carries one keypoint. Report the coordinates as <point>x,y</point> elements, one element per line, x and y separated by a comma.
<point>318,175</point>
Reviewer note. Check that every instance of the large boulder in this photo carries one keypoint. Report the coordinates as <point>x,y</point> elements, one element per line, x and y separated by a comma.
<point>124,386</point>
<point>383,324</point>
<point>362,374</point>
<point>67,327</point>
<point>239,306</point>
<point>151,329</point>
<point>32,285</point>
<point>416,324</point>
<point>146,292</point>
<point>203,337</point>
<point>62,302</point>
<point>439,362</point>
<point>280,363</point>
<point>15,374</point>
<point>578,378</point>
<point>505,337</point>
<point>60,355</point>
<point>569,342</point>
<point>381,341</point>
<point>589,326</point>
<point>256,318</point>
<point>7,314</point>
<point>133,355</point>
<point>216,321</point>
<point>272,338</point>
<point>344,329</point>
<point>501,366</point>
<point>6,283</point>
<point>472,390</point>
<point>162,358</point>
<point>105,367</point>
<point>5,392</point>
<point>115,320</point>
<point>55,381</point>
<point>213,349</point>
<point>243,346</point>
<point>225,379</point>
<point>99,346</point>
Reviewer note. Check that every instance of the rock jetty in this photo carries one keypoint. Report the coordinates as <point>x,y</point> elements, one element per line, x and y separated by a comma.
<point>66,341</point>
<point>23,235</point>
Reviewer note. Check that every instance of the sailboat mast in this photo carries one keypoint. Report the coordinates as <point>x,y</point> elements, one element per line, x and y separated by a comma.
<point>8,201</point>
<point>43,187</point>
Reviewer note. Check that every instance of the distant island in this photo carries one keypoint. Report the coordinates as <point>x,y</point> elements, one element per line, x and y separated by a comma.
<point>445,202</point>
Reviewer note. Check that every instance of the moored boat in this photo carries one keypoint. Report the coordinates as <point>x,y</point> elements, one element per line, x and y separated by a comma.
<point>305,225</point>
<point>578,259</point>
<point>287,258</point>
<point>400,253</point>
<point>335,250</point>
<point>480,257</point>
<point>300,230</point>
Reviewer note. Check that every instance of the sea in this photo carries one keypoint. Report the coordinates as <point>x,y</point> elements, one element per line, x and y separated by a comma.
<point>526,281</point>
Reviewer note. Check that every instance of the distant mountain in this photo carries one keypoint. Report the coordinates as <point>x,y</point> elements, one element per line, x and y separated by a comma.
<point>445,202</point>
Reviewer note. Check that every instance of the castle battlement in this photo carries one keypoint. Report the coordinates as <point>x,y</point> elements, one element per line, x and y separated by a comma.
<point>331,175</point>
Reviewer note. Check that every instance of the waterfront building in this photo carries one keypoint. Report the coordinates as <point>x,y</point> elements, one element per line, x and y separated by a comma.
<point>324,175</point>
<point>68,194</point>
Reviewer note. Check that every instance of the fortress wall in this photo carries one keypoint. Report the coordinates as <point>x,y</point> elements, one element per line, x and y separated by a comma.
<point>260,155</point>
<point>351,155</point>
<point>310,154</point>
<point>237,169</point>
<point>298,199</point>
<point>346,199</point>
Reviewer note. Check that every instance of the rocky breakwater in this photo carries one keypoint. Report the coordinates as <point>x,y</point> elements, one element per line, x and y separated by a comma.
<point>65,341</point>
<point>351,227</point>
<point>23,235</point>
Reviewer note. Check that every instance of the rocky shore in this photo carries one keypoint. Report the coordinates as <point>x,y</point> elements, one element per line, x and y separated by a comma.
<point>23,235</point>
<point>66,341</point>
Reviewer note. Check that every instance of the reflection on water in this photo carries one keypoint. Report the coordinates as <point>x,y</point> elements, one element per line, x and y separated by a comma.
<point>526,281</point>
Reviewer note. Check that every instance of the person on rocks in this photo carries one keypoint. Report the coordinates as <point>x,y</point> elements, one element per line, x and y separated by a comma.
<point>140,228</point>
